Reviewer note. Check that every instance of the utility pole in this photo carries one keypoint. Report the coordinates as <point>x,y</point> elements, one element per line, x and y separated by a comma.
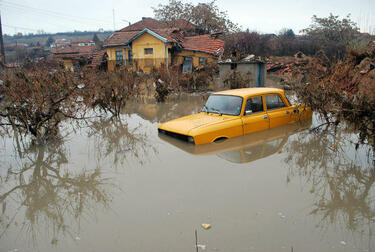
<point>113,14</point>
<point>2,51</point>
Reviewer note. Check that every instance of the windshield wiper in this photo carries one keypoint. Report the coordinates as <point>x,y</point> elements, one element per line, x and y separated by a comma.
<point>214,110</point>
<point>205,108</point>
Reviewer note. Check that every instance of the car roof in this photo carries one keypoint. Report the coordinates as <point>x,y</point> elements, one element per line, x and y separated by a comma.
<point>245,92</point>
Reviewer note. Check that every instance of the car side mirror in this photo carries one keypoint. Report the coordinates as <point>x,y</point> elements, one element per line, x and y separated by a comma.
<point>248,112</point>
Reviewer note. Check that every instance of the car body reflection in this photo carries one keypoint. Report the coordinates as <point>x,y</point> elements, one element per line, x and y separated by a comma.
<point>246,148</point>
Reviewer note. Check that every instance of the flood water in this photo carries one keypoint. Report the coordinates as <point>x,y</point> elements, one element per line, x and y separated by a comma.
<point>117,186</point>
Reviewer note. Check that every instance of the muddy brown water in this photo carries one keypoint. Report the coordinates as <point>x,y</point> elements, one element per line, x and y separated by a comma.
<point>119,186</point>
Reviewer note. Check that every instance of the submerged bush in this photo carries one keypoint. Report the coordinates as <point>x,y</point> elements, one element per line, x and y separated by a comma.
<point>343,90</point>
<point>36,100</point>
<point>109,91</point>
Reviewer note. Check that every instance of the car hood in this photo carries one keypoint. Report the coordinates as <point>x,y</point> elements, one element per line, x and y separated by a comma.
<point>184,125</point>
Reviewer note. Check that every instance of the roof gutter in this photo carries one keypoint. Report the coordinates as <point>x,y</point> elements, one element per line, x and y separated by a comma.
<point>126,44</point>
<point>192,50</point>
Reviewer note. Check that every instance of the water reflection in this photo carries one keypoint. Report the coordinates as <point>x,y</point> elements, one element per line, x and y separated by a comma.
<point>38,187</point>
<point>174,107</point>
<point>115,139</point>
<point>341,175</point>
<point>246,148</point>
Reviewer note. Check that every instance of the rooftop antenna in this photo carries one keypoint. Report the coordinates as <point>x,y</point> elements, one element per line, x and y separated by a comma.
<point>126,21</point>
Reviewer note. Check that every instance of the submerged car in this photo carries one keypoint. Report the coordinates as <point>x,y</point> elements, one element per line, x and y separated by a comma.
<point>247,148</point>
<point>236,112</point>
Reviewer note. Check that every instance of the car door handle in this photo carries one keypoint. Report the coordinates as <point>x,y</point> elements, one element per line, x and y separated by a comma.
<point>265,117</point>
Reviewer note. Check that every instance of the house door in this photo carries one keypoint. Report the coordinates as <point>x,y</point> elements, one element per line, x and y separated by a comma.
<point>187,65</point>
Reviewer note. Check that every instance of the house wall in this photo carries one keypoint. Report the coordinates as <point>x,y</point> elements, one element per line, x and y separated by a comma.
<point>160,55</point>
<point>244,68</point>
<point>144,61</point>
<point>179,57</point>
<point>111,52</point>
<point>67,63</point>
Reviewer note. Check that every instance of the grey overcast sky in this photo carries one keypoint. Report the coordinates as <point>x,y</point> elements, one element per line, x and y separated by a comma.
<point>33,16</point>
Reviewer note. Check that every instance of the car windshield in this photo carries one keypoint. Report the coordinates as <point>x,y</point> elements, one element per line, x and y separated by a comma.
<point>223,104</point>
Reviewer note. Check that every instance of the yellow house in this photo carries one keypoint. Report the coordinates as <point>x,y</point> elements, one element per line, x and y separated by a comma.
<point>150,47</point>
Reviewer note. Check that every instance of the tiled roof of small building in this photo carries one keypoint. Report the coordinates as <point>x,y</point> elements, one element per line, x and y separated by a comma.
<point>205,43</point>
<point>97,58</point>
<point>74,51</point>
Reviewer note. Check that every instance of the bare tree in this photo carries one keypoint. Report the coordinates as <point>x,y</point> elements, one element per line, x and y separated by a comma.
<point>36,100</point>
<point>205,16</point>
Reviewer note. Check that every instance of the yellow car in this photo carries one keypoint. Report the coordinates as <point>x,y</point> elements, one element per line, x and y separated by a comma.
<point>236,112</point>
<point>244,149</point>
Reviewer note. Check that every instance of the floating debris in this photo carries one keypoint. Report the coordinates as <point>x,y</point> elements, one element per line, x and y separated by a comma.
<point>80,86</point>
<point>201,246</point>
<point>343,243</point>
<point>281,215</point>
<point>78,238</point>
<point>206,226</point>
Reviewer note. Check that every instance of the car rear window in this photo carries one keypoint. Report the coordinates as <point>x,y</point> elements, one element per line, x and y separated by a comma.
<point>274,102</point>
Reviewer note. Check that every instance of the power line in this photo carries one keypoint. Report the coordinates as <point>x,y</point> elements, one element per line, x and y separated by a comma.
<point>50,13</point>
<point>19,27</point>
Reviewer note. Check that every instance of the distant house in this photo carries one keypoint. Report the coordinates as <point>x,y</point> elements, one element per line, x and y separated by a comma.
<point>151,43</point>
<point>73,56</point>
<point>83,43</point>
<point>60,43</point>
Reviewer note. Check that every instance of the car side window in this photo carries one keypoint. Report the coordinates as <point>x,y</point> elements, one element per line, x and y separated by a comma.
<point>254,105</point>
<point>274,102</point>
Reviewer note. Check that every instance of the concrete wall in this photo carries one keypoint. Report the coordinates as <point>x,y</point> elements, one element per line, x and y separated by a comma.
<point>255,69</point>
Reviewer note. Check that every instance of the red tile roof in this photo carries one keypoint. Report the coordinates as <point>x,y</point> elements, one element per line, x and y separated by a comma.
<point>120,37</point>
<point>98,58</point>
<point>74,51</point>
<point>145,23</point>
<point>165,33</point>
<point>204,43</point>
<point>151,23</point>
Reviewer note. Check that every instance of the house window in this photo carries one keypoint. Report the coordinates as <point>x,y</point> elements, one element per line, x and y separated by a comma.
<point>202,61</point>
<point>119,58</point>
<point>130,57</point>
<point>187,65</point>
<point>149,51</point>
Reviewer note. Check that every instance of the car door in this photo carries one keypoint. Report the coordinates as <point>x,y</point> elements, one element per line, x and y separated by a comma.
<point>255,117</point>
<point>278,111</point>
